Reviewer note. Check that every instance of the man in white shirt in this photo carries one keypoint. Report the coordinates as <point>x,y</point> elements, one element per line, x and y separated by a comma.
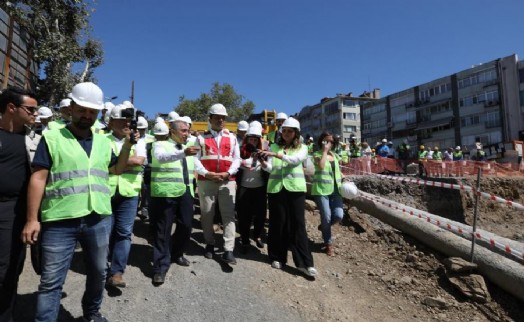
<point>216,166</point>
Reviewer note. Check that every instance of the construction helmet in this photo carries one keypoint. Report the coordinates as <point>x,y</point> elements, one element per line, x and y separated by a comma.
<point>348,190</point>
<point>256,124</point>
<point>116,112</point>
<point>291,122</point>
<point>436,148</point>
<point>384,141</point>
<point>64,103</point>
<point>141,123</point>
<point>217,109</point>
<point>421,147</point>
<point>159,120</point>
<point>45,112</point>
<point>254,131</point>
<point>281,116</point>
<point>242,126</point>
<point>108,106</point>
<point>172,116</point>
<point>88,95</point>
<point>128,104</point>
<point>160,128</point>
<point>185,119</point>
<point>457,147</point>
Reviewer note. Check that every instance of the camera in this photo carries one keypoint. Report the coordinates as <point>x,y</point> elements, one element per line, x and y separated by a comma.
<point>250,148</point>
<point>130,113</point>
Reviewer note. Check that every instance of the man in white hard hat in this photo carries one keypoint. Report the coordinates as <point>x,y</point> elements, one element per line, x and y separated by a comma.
<point>72,166</point>
<point>18,109</point>
<point>172,116</point>
<point>148,139</point>
<point>65,112</point>
<point>45,114</point>
<point>242,128</point>
<point>216,166</point>
<point>103,121</point>
<point>273,136</point>
<point>125,189</point>
<point>172,195</point>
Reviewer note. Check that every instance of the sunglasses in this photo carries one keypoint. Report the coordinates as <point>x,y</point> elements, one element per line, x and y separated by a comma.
<point>29,109</point>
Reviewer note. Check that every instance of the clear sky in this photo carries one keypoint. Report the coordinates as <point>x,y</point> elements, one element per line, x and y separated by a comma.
<point>286,54</point>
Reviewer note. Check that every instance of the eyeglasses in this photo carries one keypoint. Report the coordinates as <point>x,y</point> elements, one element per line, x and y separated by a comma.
<point>29,109</point>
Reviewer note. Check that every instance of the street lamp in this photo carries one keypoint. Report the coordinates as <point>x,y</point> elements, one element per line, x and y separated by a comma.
<point>110,99</point>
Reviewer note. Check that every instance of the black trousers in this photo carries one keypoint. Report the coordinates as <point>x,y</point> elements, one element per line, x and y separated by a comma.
<point>12,254</point>
<point>287,228</point>
<point>164,212</point>
<point>251,208</point>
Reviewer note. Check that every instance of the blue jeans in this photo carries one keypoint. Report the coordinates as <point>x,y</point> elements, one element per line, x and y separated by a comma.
<point>58,240</point>
<point>331,212</point>
<point>124,213</point>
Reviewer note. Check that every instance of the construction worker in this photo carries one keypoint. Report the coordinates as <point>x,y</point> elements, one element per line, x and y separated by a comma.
<point>217,165</point>
<point>125,189</point>
<point>479,155</point>
<point>148,139</point>
<point>310,145</point>
<point>437,154</point>
<point>72,167</point>
<point>457,154</point>
<point>172,196</point>
<point>383,149</point>
<point>44,114</point>
<point>65,113</point>
<point>273,136</point>
<point>354,149</point>
<point>422,157</point>
<point>242,128</point>
<point>404,154</point>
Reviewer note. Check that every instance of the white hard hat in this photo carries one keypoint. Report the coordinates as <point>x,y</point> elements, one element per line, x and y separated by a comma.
<point>348,190</point>
<point>141,123</point>
<point>108,114</point>
<point>160,128</point>
<point>281,116</point>
<point>44,112</point>
<point>159,120</point>
<point>172,116</point>
<point>185,119</point>
<point>384,141</point>
<point>291,122</point>
<point>116,112</point>
<point>108,106</point>
<point>65,102</point>
<point>256,124</point>
<point>218,109</point>
<point>88,95</point>
<point>242,126</point>
<point>457,147</point>
<point>128,104</point>
<point>254,131</point>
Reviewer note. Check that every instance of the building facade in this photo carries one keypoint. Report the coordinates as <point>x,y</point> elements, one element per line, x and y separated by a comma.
<point>338,115</point>
<point>16,66</point>
<point>481,104</point>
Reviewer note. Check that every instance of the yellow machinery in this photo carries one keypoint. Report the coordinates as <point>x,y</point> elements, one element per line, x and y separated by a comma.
<point>266,118</point>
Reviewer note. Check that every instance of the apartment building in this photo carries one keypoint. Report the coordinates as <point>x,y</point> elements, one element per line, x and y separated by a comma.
<point>16,66</point>
<point>484,103</point>
<point>338,115</point>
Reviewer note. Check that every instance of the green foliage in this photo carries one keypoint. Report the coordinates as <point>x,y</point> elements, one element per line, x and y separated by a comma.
<point>63,48</point>
<point>237,107</point>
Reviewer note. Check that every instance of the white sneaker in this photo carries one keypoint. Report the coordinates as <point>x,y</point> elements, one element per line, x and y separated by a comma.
<point>310,271</point>
<point>276,264</point>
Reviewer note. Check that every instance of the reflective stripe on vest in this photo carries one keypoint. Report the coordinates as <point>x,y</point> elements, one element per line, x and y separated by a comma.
<point>323,183</point>
<point>167,178</point>
<point>214,158</point>
<point>77,184</point>
<point>283,175</point>
<point>129,183</point>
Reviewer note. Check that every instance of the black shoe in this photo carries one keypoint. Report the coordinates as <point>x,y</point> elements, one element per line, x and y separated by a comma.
<point>259,243</point>
<point>209,252</point>
<point>182,261</point>
<point>229,258</point>
<point>94,317</point>
<point>159,279</point>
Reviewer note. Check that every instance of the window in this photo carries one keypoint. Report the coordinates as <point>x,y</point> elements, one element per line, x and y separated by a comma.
<point>480,77</point>
<point>521,75</point>
<point>492,119</point>
<point>350,116</point>
<point>331,107</point>
<point>350,128</point>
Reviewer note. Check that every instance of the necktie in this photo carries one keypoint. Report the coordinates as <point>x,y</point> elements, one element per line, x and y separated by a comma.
<point>184,166</point>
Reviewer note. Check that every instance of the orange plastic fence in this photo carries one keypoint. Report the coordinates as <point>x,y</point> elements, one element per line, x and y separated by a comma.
<point>431,168</point>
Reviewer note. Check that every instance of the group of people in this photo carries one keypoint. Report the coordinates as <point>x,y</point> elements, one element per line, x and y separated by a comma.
<point>81,180</point>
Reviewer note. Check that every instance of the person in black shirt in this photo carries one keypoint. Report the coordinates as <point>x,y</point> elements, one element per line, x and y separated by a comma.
<point>18,108</point>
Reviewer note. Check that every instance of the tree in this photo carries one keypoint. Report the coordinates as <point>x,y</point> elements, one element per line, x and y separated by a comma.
<point>237,108</point>
<point>60,30</point>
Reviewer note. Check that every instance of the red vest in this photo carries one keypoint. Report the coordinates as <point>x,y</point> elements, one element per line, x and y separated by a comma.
<point>214,158</point>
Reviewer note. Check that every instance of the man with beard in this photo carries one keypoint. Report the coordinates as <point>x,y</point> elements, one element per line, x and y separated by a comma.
<point>18,108</point>
<point>70,184</point>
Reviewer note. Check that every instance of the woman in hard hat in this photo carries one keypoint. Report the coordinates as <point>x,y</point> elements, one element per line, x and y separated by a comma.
<point>251,198</point>
<point>326,188</point>
<point>286,199</point>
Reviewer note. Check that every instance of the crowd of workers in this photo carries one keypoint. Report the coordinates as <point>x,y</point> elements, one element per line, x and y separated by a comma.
<point>78,181</point>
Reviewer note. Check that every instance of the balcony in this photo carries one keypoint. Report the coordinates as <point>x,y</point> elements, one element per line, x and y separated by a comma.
<point>491,103</point>
<point>492,124</point>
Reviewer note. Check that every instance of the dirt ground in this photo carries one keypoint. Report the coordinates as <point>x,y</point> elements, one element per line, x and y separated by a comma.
<point>378,273</point>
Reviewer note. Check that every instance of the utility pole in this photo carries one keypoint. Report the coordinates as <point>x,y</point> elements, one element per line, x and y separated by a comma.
<point>132,92</point>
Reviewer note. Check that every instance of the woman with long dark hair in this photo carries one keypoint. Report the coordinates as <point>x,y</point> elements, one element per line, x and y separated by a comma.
<point>287,196</point>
